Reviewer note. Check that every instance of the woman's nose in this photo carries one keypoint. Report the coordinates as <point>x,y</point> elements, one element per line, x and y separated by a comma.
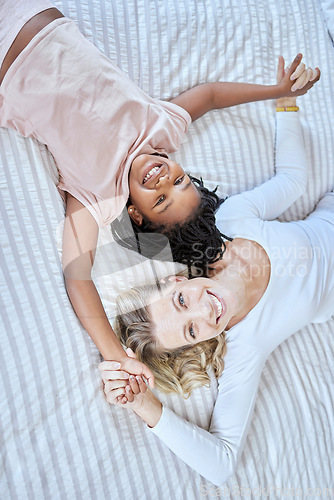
<point>201,310</point>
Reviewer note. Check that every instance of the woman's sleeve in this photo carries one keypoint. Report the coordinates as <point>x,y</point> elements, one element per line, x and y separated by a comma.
<point>215,453</point>
<point>273,197</point>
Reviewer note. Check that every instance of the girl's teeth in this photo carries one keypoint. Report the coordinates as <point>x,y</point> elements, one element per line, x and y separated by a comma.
<point>150,173</point>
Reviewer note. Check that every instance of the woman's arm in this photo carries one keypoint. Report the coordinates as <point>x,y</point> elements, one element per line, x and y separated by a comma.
<point>272,198</point>
<point>215,453</point>
<point>79,247</point>
<point>208,96</point>
<point>133,395</point>
<point>276,195</point>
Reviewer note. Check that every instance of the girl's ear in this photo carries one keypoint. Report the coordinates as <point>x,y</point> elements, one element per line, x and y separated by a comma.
<point>176,279</point>
<point>135,215</point>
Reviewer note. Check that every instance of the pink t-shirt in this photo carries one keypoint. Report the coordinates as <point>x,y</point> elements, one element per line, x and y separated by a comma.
<point>64,92</point>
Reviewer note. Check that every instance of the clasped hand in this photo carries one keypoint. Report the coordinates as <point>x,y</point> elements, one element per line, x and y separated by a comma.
<point>295,80</point>
<point>121,387</point>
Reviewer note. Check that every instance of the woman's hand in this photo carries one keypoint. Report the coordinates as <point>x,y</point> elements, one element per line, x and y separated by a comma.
<point>131,366</point>
<point>130,392</point>
<point>120,390</point>
<point>119,386</point>
<point>295,80</point>
<point>146,405</point>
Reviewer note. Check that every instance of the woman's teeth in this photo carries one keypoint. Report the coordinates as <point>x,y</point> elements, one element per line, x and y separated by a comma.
<point>150,173</point>
<point>218,306</point>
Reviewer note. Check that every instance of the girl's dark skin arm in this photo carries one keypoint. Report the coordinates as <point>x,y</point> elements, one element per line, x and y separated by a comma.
<point>26,34</point>
<point>208,96</point>
<point>79,247</point>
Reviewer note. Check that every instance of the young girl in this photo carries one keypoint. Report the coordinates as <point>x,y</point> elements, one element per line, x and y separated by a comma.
<point>109,140</point>
<point>274,279</point>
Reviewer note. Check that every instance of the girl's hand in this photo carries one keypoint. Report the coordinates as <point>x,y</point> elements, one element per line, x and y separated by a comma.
<point>129,392</point>
<point>116,393</point>
<point>131,365</point>
<point>296,79</point>
<point>120,386</point>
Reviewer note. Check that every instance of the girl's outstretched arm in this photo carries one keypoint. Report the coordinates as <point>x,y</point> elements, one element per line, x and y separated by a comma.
<point>208,96</point>
<point>79,247</point>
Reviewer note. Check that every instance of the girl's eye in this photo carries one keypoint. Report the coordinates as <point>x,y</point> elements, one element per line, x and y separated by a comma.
<point>181,300</point>
<point>160,200</point>
<point>178,181</point>
<point>191,332</point>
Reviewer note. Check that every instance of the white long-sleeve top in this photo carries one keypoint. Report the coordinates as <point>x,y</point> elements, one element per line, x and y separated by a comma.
<point>300,291</point>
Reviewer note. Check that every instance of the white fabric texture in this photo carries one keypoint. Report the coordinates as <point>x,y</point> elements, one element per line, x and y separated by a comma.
<point>59,438</point>
<point>300,291</point>
<point>327,7</point>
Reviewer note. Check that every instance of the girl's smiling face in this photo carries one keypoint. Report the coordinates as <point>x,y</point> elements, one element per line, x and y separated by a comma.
<point>190,311</point>
<point>160,191</point>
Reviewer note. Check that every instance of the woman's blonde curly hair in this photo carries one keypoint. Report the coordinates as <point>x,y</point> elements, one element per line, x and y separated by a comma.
<point>180,370</point>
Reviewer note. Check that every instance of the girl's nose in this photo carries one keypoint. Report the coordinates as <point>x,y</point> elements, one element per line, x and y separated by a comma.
<point>162,180</point>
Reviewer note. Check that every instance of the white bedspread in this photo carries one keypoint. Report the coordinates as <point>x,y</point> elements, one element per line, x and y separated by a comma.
<point>59,438</point>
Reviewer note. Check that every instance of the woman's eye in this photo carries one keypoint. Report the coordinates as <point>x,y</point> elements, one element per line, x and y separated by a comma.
<point>178,181</point>
<point>181,300</point>
<point>191,332</point>
<point>160,200</point>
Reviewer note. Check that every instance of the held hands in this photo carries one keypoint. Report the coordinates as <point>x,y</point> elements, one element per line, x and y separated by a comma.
<point>119,386</point>
<point>131,365</point>
<point>130,392</point>
<point>122,389</point>
<point>295,80</point>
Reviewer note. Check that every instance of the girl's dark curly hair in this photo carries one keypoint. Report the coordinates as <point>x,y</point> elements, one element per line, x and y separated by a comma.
<point>197,242</point>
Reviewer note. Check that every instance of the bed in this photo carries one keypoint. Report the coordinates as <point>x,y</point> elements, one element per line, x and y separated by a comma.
<point>59,438</point>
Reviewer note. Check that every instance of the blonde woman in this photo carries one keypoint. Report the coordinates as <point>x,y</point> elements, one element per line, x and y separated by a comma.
<point>274,279</point>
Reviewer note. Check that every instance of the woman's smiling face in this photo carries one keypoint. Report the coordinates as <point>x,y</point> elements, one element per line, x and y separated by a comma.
<point>160,191</point>
<point>190,311</point>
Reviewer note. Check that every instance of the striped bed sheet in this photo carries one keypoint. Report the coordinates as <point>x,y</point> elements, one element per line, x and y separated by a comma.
<point>327,7</point>
<point>59,438</point>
